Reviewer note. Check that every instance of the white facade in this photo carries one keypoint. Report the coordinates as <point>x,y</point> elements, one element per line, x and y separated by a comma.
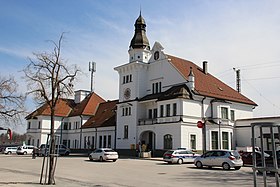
<point>243,132</point>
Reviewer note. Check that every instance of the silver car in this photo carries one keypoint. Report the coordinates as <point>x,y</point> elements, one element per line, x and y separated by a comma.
<point>220,158</point>
<point>179,156</point>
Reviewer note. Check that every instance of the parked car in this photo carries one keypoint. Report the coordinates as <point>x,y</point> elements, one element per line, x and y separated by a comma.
<point>60,149</point>
<point>25,149</point>
<point>103,154</point>
<point>269,161</point>
<point>10,150</point>
<point>220,158</point>
<point>179,156</point>
<point>247,157</point>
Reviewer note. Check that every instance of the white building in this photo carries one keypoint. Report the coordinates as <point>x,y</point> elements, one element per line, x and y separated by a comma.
<point>162,97</point>
<point>243,132</point>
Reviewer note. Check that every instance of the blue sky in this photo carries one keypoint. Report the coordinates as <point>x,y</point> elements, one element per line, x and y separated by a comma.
<point>238,33</point>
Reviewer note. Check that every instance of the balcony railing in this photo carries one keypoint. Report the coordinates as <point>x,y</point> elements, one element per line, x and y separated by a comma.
<point>159,120</point>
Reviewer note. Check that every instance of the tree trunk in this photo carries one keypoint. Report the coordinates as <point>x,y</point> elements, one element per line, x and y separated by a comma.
<point>52,150</point>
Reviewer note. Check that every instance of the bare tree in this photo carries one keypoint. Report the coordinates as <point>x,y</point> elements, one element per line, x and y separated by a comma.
<point>48,80</point>
<point>11,101</point>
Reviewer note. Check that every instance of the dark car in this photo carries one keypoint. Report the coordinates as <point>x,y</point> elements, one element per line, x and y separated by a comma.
<point>247,157</point>
<point>269,162</point>
<point>61,149</point>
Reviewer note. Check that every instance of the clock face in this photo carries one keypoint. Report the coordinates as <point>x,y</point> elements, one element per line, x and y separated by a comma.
<point>127,93</point>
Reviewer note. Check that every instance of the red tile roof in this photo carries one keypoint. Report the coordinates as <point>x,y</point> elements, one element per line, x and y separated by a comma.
<point>105,116</point>
<point>88,106</point>
<point>68,108</point>
<point>63,109</point>
<point>207,84</point>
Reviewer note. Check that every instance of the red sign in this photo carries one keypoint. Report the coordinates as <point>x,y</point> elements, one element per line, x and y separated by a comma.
<point>200,124</point>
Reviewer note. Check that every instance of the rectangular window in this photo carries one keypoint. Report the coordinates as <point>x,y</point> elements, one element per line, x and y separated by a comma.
<point>104,141</point>
<point>174,109</point>
<point>168,110</point>
<point>224,112</point>
<point>161,110</point>
<point>69,143</point>
<point>125,134</point>
<point>159,87</point>
<point>39,124</point>
<point>127,79</point>
<point>123,111</point>
<point>69,125</point>
<point>150,113</point>
<point>153,87</point>
<point>100,141</point>
<point>29,125</point>
<point>123,79</point>
<point>109,141</point>
<point>64,142</point>
<point>225,139</point>
<point>129,111</point>
<point>193,141</point>
<point>85,142</point>
<point>155,113</point>
<point>232,116</point>
<point>65,126</point>
<point>130,78</point>
<point>214,139</point>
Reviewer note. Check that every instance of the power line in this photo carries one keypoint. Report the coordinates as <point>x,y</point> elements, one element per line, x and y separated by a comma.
<point>274,105</point>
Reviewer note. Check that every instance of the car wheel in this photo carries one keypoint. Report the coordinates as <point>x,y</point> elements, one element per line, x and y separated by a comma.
<point>24,152</point>
<point>90,158</point>
<point>198,164</point>
<point>67,154</point>
<point>114,160</point>
<point>237,167</point>
<point>9,152</point>
<point>180,161</point>
<point>101,159</point>
<point>226,166</point>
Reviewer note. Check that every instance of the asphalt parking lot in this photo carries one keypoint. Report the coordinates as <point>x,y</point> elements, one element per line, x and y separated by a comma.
<point>22,170</point>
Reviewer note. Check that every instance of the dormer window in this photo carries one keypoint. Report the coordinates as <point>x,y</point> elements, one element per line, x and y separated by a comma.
<point>156,87</point>
<point>224,112</point>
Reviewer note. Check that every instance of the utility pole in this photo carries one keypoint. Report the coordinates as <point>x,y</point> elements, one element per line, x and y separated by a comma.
<point>92,69</point>
<point>238,80</point>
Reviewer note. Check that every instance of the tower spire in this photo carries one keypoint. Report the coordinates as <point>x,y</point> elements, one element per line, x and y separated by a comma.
<point>140,39</point>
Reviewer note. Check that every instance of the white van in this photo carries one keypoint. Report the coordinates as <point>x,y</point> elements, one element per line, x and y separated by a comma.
<point>25,149</point>
<point>10,150</point>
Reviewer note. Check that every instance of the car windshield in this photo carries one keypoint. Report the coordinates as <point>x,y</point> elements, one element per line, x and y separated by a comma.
<point>168,152</point>
<point>235,154</point>
<point>109,150</point>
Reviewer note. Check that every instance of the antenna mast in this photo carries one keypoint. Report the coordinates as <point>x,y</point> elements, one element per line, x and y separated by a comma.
<point>92,69</point>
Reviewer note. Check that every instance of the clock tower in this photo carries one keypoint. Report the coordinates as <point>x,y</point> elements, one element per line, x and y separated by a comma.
<point>132,86</point>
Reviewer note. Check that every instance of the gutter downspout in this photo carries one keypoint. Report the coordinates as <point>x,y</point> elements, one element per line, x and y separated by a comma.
<point>81,131</point>
<point>204,127</point>
<point>95,142</point>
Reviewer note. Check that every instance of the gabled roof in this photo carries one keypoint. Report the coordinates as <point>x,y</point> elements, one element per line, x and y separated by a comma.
<point>88,106</point>
<point>63,109</point>
<point>207,84</point>
<point>105,116</point>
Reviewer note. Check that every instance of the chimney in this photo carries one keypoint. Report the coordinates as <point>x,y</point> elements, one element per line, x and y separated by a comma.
<point>80,95</point>
<point>191,79</point>
<point>205,67</point>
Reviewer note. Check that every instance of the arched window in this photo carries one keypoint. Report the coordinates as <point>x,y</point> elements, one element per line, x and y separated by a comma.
<point>167,141</point>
